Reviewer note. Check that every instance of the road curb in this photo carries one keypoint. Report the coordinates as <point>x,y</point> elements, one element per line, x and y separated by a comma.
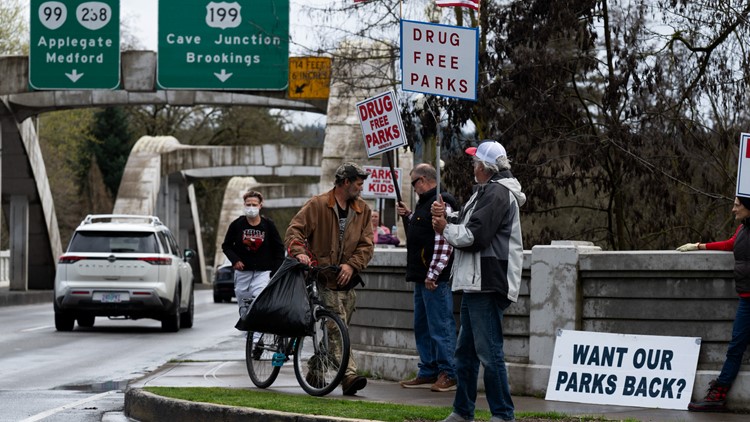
<point>149,407</point>
<point>30,297</point>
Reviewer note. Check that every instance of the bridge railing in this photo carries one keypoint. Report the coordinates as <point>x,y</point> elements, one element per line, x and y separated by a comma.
<point>4,267</point>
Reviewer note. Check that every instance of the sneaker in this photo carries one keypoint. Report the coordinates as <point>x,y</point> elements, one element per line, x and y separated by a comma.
<point>314,380</point>
<point>419,382</point>
<point>455,417</point>
<point>444,383</point>
<point>353,383</point>
<point>714,401</point>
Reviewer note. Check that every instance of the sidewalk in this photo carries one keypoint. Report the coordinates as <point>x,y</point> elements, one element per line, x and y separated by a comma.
<point>224,366</point>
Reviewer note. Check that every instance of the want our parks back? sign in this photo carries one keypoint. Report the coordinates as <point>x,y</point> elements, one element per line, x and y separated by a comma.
<point>623,369</point>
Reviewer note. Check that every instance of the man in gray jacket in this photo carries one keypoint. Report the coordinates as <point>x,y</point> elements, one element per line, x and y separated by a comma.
<point>488,258</point>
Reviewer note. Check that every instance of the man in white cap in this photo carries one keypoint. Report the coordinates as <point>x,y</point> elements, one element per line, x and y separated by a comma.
<point>488,258</point>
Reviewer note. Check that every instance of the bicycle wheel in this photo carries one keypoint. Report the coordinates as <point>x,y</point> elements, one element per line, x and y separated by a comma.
<point>320,359</point>
<point>259,358</point>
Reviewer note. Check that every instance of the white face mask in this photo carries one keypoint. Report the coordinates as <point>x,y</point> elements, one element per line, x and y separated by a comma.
<point>252,212</point>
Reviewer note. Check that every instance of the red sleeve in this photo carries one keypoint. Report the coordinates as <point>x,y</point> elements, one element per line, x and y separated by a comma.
<point>724,245</point>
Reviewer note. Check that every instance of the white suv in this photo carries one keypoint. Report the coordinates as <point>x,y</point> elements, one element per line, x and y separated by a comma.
<point>123,266</point>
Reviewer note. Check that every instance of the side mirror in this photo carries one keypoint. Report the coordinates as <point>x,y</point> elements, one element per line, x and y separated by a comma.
<point>189,254</point>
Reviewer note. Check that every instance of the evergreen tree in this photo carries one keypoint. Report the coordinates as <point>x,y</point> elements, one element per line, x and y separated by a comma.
<point>111,145</point>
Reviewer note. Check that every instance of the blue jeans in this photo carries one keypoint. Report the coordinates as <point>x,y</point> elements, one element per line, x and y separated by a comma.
<point>480,339</point>
<point>434,330</point>
<point>738,344</point>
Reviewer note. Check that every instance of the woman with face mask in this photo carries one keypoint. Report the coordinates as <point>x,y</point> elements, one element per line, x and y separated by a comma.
<point>254,247</point>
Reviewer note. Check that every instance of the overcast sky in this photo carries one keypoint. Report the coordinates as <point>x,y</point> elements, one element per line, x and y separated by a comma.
<point>142,17</point>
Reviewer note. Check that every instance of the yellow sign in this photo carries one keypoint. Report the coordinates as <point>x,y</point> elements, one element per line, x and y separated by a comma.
<point>309,77</point>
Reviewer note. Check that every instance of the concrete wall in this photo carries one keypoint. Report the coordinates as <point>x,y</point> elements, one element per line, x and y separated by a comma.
<point>568,285</point>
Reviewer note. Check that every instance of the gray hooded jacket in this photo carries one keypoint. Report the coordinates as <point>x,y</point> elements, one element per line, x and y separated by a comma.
<point>486,235</point>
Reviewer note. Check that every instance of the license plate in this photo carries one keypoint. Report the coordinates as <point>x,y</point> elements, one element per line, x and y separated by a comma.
<point>111,297</point>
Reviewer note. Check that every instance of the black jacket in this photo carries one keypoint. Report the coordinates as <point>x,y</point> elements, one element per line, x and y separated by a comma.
<point>420,239</point>
<point>742,259</point>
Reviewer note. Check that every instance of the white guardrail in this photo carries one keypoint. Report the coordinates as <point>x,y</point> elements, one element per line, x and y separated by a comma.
<point>4,267</point>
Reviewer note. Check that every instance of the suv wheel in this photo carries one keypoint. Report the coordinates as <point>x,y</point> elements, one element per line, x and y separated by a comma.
<point>171,320</point>
<point>63,321</point>
<point>186,318</point>
<point>86,321</point>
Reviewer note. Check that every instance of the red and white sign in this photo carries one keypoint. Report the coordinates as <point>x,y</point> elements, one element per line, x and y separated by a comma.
<point>380,182</point>
<point>439,59</point>
<point>743,166</point>
<point>381,123</point>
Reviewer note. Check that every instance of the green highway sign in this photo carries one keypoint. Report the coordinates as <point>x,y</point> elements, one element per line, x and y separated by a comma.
<point>234,45</point>
<point>74,44</point>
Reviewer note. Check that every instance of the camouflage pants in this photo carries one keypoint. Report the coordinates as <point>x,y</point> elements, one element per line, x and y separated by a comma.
<point>343,304</point>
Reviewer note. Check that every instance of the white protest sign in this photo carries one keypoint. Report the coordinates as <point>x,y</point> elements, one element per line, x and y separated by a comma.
<point>743,167</point>
<point>623,369</point>
<point>380,182</point>
<point>381,123</point>
<point>440,59</point>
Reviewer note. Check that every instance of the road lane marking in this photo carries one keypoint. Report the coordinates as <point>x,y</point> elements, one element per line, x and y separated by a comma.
<point>212,372</point>
<point>43,327</point>
<point>40,416</point>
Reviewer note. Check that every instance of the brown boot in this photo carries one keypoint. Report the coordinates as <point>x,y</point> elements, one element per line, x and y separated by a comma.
<point>353,383</point>
<point>714,401</point>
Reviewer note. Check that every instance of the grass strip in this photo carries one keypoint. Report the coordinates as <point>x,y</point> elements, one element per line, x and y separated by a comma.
<point>357,409</point>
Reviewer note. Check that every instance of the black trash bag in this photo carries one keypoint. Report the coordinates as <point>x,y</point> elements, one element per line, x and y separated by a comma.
<point>283,307</point>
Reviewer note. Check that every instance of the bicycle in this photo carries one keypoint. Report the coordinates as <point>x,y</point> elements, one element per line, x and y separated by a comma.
<point>320,358</point>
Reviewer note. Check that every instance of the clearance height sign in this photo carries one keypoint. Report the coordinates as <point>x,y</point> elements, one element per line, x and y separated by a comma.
<point>380,182</point>
<point>439,59</point>
<point>381,123</point>
<point>629,370</point>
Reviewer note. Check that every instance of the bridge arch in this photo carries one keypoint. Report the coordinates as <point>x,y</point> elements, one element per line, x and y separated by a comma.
<point>159,174</point>
<point>26,196</point>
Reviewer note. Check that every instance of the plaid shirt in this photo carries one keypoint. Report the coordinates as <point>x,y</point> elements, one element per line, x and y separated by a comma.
<point>440,254</point>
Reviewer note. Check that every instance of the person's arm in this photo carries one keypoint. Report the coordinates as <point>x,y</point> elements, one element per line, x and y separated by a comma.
<point>301,226</point>
<point>440,255</point>
<point>365,246</point>
<point>277,246</point>
<point>228,244</point>
<point>722,245</point>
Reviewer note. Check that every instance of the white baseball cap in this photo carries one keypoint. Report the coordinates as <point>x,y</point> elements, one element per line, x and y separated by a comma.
<point>488,151</point>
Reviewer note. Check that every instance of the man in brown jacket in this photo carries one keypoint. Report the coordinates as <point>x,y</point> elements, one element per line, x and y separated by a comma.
<point>335,229</point>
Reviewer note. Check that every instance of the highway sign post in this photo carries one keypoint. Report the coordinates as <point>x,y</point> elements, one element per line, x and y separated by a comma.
<point>243,44</point>
<point>74,44</point>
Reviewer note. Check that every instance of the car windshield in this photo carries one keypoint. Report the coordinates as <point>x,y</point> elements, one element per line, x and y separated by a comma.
<point>98,241</point>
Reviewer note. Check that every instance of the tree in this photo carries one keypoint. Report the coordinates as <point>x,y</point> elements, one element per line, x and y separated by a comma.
<point>110,147</point>
<point>619,134</point>
<point>61,136</point>
<point>13,29</point>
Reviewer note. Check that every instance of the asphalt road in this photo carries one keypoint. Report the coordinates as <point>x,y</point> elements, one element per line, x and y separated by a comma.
<point>81,375</point>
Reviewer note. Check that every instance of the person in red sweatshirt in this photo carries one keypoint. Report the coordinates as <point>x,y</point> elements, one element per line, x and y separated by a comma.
<point>715,399</point>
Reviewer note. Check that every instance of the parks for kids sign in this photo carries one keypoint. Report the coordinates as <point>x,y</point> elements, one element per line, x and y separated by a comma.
<point>380,182</point>
<point>623,369</point>
<point>381,123</point>
<point>743,167</point>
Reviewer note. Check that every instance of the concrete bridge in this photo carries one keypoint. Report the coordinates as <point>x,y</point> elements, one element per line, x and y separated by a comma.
<point>159,175</point>
<point>164,179</point>
<point>26,196</point>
